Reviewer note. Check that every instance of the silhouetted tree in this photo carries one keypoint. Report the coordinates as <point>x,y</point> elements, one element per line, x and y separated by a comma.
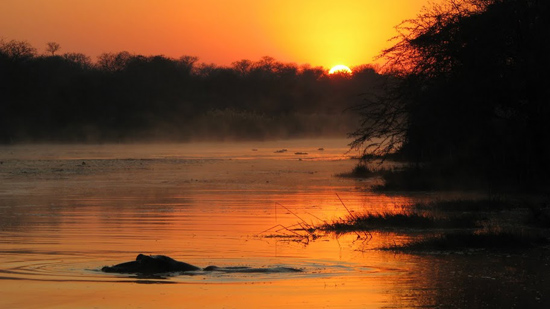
<point>79,59</point>
<point>472,89</point>
<point>52,48</point>
<point>243,67</point>
<point>112,62</point>
<point>187,63</point>
<point>17,50</point>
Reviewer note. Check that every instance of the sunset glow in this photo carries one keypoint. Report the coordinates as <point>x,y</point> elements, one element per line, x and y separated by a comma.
<point>321,33</point>
<point>339,69</point>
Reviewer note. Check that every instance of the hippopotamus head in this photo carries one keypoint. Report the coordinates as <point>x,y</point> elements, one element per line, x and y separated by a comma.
<point>150,264</point>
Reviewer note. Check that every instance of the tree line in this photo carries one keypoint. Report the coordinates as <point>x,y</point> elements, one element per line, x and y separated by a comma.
<point>130,97</point>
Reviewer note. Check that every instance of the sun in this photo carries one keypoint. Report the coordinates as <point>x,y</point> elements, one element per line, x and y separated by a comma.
<point>340,69</point>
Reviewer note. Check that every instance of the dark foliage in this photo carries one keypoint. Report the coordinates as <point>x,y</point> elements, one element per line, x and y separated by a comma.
<point>471,92</point>
<point>360,171</point>
<point>493,204</point>
<point>369,222</point>
<point>539,214</point>
<point>126,97</point>
<point>470,241</point>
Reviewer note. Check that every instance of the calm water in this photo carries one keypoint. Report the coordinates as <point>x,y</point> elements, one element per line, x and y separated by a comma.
<point>66,211</point>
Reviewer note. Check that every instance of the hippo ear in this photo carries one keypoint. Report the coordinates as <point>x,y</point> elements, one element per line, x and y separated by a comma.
<point>140,257</point>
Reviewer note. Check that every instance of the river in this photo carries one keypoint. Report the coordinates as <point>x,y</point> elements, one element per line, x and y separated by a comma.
<point>68,210</point>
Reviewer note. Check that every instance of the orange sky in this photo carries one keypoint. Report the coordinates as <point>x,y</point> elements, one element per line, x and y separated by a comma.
<point>318,32</point>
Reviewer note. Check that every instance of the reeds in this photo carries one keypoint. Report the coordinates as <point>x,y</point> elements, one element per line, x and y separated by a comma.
<point>301,231</point>
<point>491,223</point>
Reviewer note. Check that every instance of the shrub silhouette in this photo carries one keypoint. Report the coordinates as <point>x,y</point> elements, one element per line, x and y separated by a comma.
<point>470,91</point>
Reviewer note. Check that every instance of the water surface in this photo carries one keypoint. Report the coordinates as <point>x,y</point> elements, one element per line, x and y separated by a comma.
<point>66,211</point>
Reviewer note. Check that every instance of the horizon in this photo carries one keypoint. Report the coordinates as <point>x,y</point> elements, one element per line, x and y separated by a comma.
<point>350,33</point>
